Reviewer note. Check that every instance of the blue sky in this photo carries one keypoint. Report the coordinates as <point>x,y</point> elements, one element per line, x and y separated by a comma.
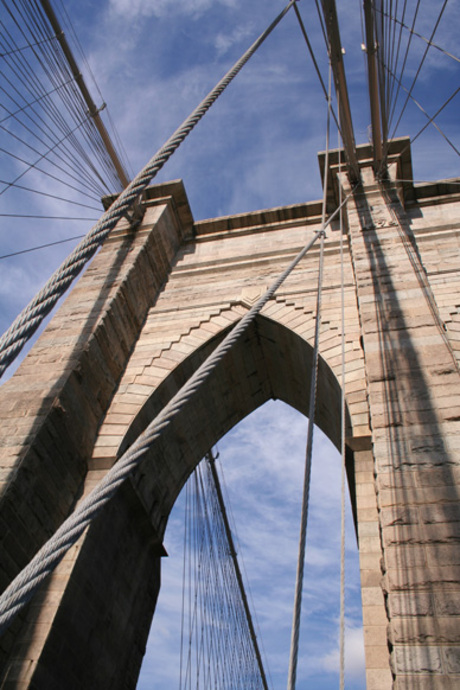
<point>262,461</point>
<point>154,60</point>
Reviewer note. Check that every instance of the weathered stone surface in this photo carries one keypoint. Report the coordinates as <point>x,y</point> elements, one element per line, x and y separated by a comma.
<point>447,603</point>
<point>440,682</point>
<point>417,659</point>
<point>426,630</point>
<point>408,604</point>
<point>452,660</point>
<point>149,309</point>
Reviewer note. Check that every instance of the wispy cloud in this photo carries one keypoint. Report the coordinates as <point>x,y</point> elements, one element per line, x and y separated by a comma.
<point>262,460</point>
<point>160,8</point>
<point>224,41</point>
<point>354,654</point>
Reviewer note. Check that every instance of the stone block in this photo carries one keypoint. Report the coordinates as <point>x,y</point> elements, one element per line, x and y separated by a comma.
<point>421,534</point>
<point>379,679</point>
<point>371,578</point>
<point>377,657</point>
<point>370,544</point>
<point>367,515</point>
<point>412,659</point>
<point>447,603</point>
<point>375,636</point>
<point>425,630</point>
<point>374,615</point>
<point>400,579</point>
<point>441,512</point>
<point>443,554</point>
<point>428,682</point>
<point>452,659</point>
<point>372,596</point>
<point>399,515</point>
<point>404,557</point>
<point>369,529</point>
<point>418,496</point>
<point>408,604</point>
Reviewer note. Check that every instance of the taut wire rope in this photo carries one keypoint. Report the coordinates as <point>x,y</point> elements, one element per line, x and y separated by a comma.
<point>29,579</point>
<point>342,444</point>
<point>239,578</point>
<point>419,69</point>
<point>295,633</point>
<point>313,57</point>
<point>423,38</point>
<point>218,648</point>
<point>31,317</point>
<point>431,120</point>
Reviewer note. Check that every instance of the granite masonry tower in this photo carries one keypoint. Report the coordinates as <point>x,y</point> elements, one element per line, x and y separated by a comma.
<point>150,307</point>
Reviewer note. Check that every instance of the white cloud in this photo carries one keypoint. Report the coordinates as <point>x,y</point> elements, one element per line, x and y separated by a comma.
<point>256,148</point>
<point>224,40</point>
<point>354,654</point>
<point>160,8</point>
<point>263,461</point>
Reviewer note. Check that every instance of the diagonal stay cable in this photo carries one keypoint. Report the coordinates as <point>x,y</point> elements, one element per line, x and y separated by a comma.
<point>315,63</point>
<point>394,65</point>
<point>419,68</point>
<point>20,49</point>
<point>426,40</point>
<point>431,120</point>
<point>26,583</point>
<point>45,173</point>
<point>37,99</point>
<point>50,196</point>
<point>41,155</point>
<point>31,317</point>
<point>403,67</point>
<point>40,246</point>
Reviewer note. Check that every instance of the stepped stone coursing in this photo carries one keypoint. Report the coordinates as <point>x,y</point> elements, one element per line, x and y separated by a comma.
<point>145,314</point>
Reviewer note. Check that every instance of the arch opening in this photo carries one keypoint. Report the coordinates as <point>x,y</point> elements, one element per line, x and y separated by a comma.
<point>269,361</point>
<point>262,460</point>
<point>116,576</point>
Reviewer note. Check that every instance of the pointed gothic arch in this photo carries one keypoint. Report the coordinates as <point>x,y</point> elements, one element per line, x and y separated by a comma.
<point>102,596</point>
<point>68,408</point>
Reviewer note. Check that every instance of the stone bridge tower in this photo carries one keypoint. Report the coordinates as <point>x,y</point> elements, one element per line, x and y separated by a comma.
<point>148,310</point>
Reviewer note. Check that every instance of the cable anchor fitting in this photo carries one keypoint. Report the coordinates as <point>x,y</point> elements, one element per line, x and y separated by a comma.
<point>135,213</point>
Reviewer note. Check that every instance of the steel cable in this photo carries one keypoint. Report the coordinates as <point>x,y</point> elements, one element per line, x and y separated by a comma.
<point>30,318</point>
<point>295,633</point>
<point>26,583</point>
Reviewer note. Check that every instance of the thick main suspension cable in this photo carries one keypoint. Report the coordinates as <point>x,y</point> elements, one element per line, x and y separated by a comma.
<point>32,316</point>
<point>22,588</point>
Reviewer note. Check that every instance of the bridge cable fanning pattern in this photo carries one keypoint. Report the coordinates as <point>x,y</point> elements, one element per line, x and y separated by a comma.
<point>45,108</point>
<point>389,50</point>
<point>31,317</point>
<point>218,643</point>
<point>23,587</point>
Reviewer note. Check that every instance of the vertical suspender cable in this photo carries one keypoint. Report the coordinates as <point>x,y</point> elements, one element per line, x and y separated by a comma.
<point>294,651</point>
<point>211,460</point>
<point>342,449</point>
<point>22,588</point>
